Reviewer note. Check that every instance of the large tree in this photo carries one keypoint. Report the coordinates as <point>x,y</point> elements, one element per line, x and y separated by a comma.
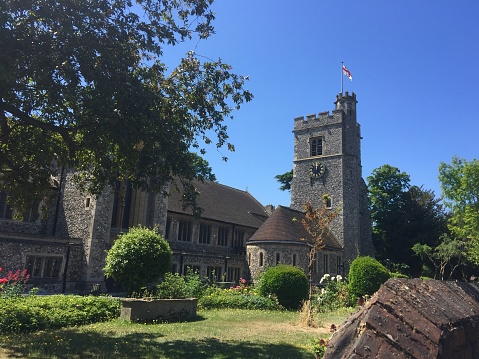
<point>83,86</point>
<point>460,189</point>
<point>402,215</point>
<point>285,180</point>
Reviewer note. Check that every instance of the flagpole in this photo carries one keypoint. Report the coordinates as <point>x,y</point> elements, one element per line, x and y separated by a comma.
<point>342,76</point>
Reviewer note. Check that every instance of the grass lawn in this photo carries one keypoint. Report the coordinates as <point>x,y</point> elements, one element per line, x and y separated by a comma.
<point>217,334</point>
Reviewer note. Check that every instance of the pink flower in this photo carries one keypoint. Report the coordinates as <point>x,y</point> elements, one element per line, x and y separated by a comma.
<point>3,280</point>
<point>243,280</point>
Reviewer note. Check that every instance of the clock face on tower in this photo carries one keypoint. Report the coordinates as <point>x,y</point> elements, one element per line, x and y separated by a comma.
<point>317,169</point>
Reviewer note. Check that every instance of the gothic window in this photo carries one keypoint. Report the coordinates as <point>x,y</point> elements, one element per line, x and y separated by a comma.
<point>294,259</point>
<point>5,209</point>
<point>278,258</point>
<point>325,264</point>
<point>316,146</point>
<point>339,266</point>
<point>233,275</point>
<point>7,212</point>
<point>205,233</point>
<point>168,226</point>
<point>261,259</point>
<point>222,236</point>
<point>238,238</point>
<point>328,202</point>
<point>44,266</point>
<point>184,231</point>
<point>213,273</point>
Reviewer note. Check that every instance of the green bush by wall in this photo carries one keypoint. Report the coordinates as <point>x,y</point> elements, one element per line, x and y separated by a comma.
<point>366,275</point>
<point>137,258</point>
<point>289,284</point>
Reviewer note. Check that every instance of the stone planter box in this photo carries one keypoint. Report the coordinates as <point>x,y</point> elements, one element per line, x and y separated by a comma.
<point>148,310</point>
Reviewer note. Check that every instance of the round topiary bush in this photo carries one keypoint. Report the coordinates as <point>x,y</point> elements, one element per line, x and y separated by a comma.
<point>289,284</point>
<point>366,275</point>
<point>138,257</point>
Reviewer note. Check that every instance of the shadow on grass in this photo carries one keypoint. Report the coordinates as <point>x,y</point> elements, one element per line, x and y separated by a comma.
<point>73,344</point>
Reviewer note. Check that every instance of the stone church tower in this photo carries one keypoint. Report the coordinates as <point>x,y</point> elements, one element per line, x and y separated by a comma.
<point>327,160</point>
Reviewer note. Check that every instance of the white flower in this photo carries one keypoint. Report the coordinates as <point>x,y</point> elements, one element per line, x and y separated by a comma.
<point>339,278</point>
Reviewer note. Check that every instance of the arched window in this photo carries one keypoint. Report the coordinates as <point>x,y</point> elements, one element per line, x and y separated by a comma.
<point>261,259</point>
<point>278,258</point>
<point>316,146</point>
<point>294,259</point>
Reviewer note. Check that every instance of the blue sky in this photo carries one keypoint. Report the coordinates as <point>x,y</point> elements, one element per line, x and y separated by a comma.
<point>414,67</point>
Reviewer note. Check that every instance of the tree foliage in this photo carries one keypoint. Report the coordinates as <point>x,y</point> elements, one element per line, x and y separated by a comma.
<point>402,215</point>
<point>84,86</point>
<point>460,189</point>
<point>285,180</point>
<point>446,257</point>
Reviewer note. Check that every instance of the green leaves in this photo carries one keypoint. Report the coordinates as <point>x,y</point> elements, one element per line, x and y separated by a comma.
<point>402,215</point>
<point>285,180</point>
<point>460,189</point>
<point>87,79</point>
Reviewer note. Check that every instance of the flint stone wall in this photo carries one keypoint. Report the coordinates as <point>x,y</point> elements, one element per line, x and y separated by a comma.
<point>413,318</point>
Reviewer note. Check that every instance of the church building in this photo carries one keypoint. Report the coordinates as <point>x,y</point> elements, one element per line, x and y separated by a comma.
<point>327,161</point>
<point>236,237</point>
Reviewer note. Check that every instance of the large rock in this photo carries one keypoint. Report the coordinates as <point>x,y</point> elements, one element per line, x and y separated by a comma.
<point>413,318</point>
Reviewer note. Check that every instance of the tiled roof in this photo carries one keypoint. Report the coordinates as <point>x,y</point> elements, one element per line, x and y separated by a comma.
<point>223,203</point>
<point>285,225</point>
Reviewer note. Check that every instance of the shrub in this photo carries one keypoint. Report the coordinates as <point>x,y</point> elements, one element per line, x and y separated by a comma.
<point>366,275</point>
<point>13,285</point>
<point>137,258</point>
<point>177,286</point>
<point>333,295</point>
<point>398,275</point>
<point>287,283</point>
<point>236,298</point>
<point>30,313</point>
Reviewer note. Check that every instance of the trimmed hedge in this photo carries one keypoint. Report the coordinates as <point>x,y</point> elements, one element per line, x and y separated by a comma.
<point>287,283</point>
<point>31,313</point>
<point>366,275</point>
<point>138,257</point>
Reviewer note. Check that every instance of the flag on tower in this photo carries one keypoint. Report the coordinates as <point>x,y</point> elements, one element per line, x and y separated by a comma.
<point>347,73</point>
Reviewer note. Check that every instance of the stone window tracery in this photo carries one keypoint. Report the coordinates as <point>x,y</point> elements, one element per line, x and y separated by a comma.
<point>205,233</point>
<point>222,236</point>
<point>44,266</point>
<point>316,146</point>
<point>184,231</point>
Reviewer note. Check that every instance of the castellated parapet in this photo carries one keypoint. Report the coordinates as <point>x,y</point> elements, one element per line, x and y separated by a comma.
<point>339,154</point>
<point>323,119</point>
